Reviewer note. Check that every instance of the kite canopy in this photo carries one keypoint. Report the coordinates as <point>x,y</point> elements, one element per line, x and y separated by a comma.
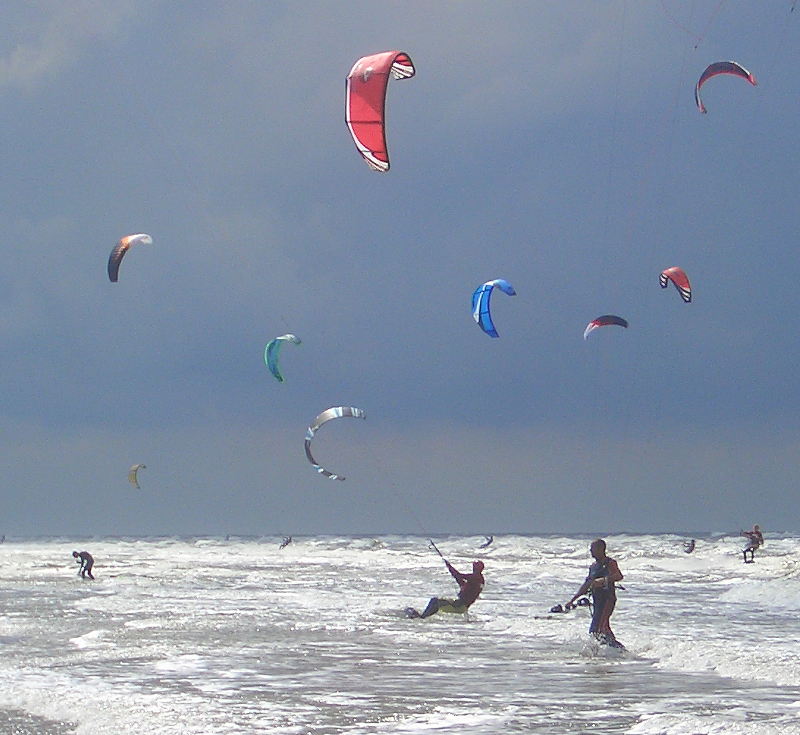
<point>272,351</point>
<point>329,414</point>
<point>365,103</point>
<point>132,475</point>
<point>607,320</point>
<point>679,278</point>
<point>715,69</point>
<point>481,300</point>
<point>118,253</point>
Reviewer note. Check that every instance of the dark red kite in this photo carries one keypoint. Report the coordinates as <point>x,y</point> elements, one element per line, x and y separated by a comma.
<point>679,278</point>
<point>365,103</point>
<point>604,321</point>
<point>717,68</point>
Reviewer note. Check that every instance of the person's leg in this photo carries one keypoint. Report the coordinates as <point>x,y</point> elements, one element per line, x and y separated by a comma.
<point>597,613</point>
<point>432,609</point>
<point>605,618</point>
<point>452,606</point>
<point>601,618</point>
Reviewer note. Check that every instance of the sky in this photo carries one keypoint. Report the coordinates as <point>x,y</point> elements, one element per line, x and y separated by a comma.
<point>556,145</point>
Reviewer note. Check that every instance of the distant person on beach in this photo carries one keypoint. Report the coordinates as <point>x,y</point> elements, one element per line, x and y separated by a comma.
<point>603,575</point>
<point>86,560</point>
<point>754,540</point>
<point>471,587</point>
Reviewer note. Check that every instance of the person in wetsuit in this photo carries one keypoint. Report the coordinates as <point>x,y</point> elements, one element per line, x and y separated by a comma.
<point>603,575</point>
<point>86,560</point>
<point>754,539</point>
<point>471,587</point>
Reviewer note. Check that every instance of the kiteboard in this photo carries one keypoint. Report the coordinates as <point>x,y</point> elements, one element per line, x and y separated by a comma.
<point>609,642</point>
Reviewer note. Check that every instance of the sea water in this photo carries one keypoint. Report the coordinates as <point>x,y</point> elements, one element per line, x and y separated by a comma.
<point>208,635</point>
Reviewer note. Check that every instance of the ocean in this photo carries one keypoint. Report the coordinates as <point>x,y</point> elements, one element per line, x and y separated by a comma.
<point>208,635</point>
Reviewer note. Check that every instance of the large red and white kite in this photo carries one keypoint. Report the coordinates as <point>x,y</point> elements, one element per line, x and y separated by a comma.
<point>365,103</point>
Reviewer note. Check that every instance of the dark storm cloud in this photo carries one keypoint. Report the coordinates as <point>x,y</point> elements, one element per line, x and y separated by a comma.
<point>554,145</point>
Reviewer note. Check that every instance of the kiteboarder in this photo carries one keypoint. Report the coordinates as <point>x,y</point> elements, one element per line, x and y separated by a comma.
<point>471,587</point>
<point>754,540</point>
<point>688,546</point>
<point>486,544</point>
<point>286,541</point>
<point>601,580</point>
<point>86,560</point>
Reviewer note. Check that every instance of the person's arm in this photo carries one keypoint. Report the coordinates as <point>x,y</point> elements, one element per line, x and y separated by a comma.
<point>458,576</point>
<point>584,588</point>
<point>614,574</point>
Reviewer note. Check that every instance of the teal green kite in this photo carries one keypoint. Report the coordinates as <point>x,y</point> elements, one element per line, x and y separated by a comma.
<point>272,352</point>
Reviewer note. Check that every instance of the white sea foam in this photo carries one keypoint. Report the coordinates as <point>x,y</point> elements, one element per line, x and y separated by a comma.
<point>208,636</point>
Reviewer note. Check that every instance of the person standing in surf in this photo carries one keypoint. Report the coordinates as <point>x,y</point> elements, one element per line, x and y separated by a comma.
<point>86,560</point>
<point>471,586</point>
<point>754,539</point>
<point>601,581</point>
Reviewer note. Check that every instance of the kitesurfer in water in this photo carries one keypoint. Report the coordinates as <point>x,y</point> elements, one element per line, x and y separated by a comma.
<point>286,541</point>
<point>471,587</point>
<point>86,560</point>
<point>754,540</point>
<point>688,546</point>
<point>487,543</point>
<point>601,580</point>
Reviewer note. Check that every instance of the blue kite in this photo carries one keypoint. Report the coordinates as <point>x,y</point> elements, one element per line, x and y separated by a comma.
<point>480,303</point>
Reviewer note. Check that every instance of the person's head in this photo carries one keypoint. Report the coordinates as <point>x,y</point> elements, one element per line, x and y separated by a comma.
<point>756,528</point>
<point>477,567</point>
<point>598,549</point>
<point>75,554</point>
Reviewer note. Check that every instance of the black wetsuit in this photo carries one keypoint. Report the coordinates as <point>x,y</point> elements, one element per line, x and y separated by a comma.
<point>86,562</point>
<point>604,599</point>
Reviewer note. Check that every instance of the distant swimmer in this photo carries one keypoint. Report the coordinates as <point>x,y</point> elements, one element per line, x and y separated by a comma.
<point>754,540</point>
<point>603,575</point>
<point>471,587</point>
<point>286,541</point>
<point>688,546</point>
<point>487,543</point>
<point>86,560</point>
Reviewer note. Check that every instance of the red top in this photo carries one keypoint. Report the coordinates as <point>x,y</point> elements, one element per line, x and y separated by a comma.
<point>471,584</point>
